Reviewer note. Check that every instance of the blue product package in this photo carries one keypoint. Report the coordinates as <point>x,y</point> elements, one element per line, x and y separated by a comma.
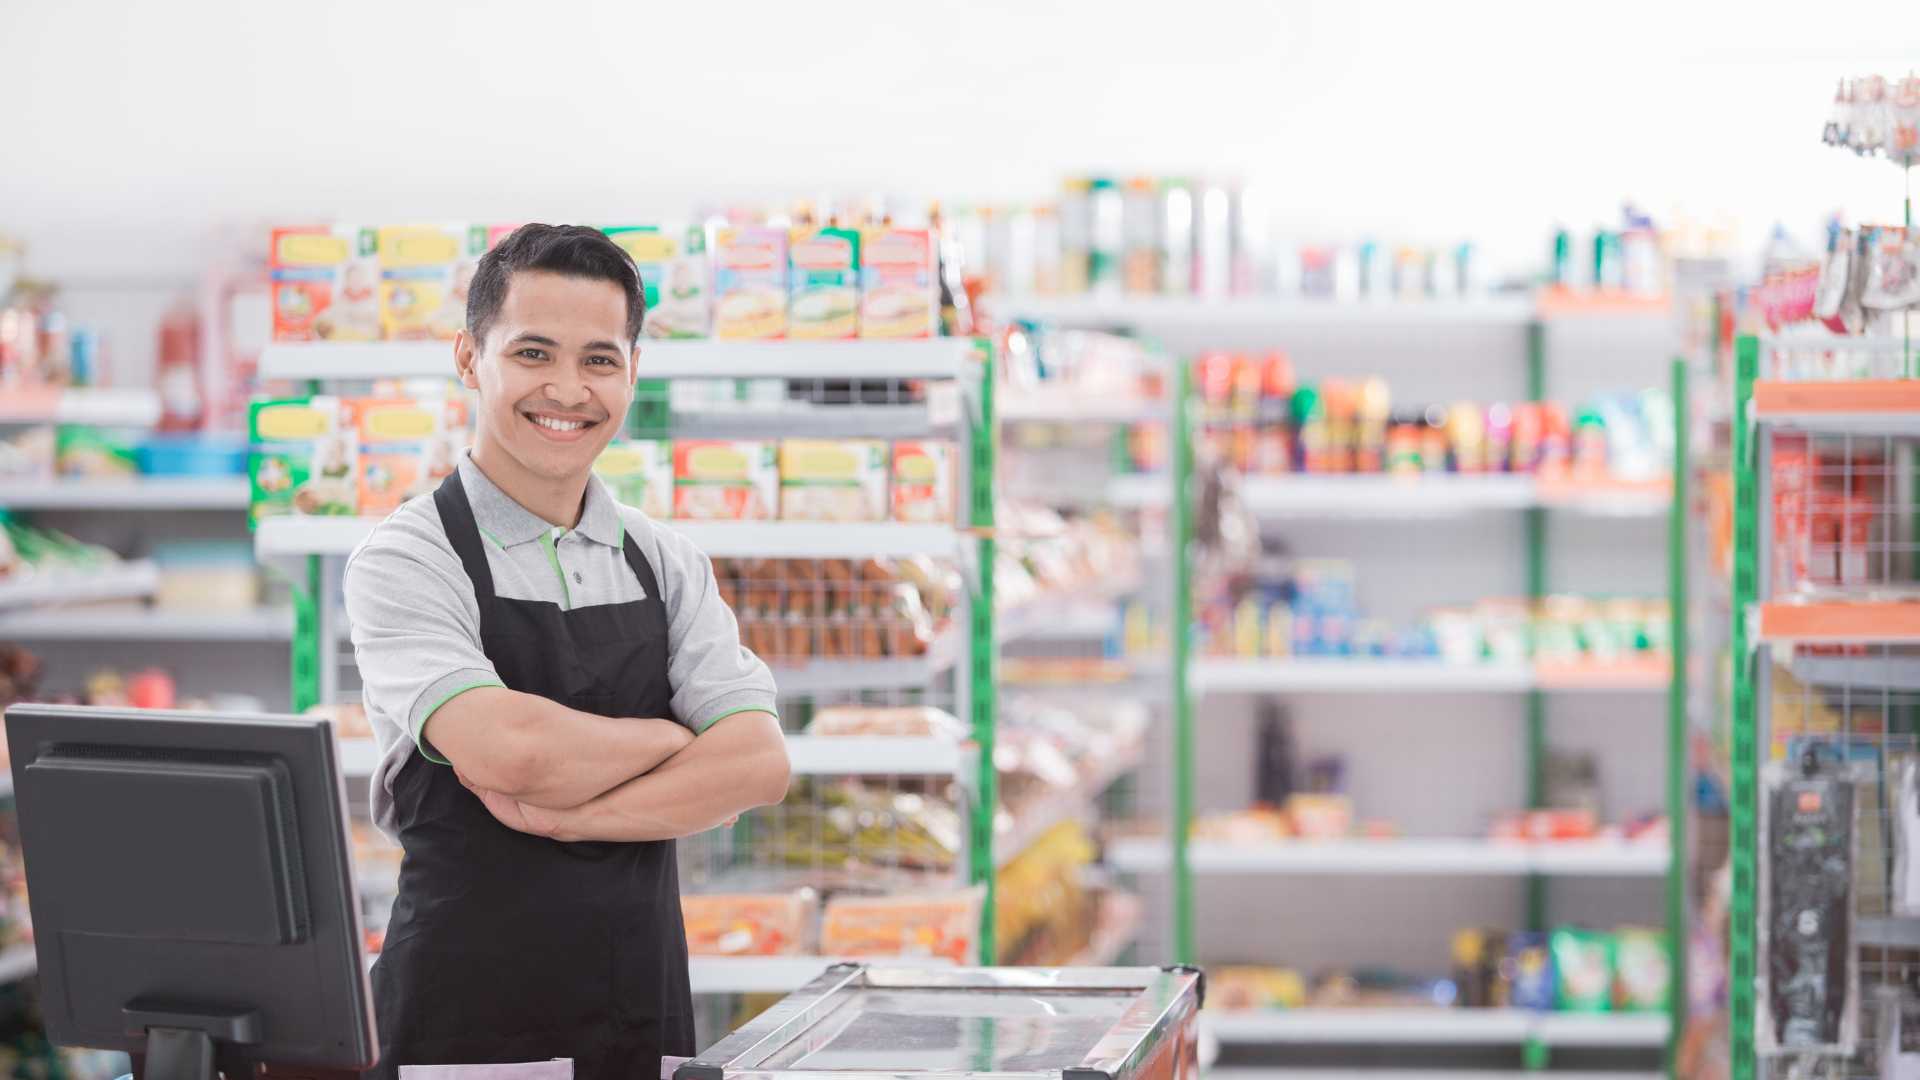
<point>1530,971</point>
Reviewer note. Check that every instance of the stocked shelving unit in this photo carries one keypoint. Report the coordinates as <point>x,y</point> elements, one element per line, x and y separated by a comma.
<point>1323,498</point>
<point>959,402</point>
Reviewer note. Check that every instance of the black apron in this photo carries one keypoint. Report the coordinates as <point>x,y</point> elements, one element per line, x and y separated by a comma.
<point>505,947</point>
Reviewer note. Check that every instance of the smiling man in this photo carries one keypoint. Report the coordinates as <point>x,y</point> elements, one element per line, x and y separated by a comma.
<point>560,693</point>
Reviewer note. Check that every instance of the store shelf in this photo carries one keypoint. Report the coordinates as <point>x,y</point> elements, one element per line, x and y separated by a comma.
<point>1264,676</point>
<point>1114,930</point>
<point>1166,312</point>
<point>18,962</point>
<point>1437,1026</point>
<point>1415,857</point>
<point>145,624</point>
<point>876,755</point>
<point>1076,407</point>
<point>1632,676</point>
<point>1075,803</point>
<point>221,493</point>
<point>1889,622</point>
<point>1376,496</point>
<point>1858,407</point>
<point>773,974</point>
<point>1138,491</point>
<point>81,405</point>
<point>804,419</point>
<point>1888,931</point>
<point>1562,303</point>
<point>1897,672</point>
<point>1254,1072</point>
<point>283,536</point>
<point>120,581</point>
<point>927,359</point>
<point>1059,619</point>
<point>822,676</point>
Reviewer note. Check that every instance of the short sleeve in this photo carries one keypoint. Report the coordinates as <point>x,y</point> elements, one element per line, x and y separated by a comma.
<point>713,675</point>
<point>416,630</point>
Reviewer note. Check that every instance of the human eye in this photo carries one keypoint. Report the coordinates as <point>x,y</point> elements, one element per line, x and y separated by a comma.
<point>603,361</point>
<point>531,353</point>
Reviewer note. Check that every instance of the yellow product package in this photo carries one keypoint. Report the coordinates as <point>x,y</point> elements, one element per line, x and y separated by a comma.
<point>824,276</point>
<point>749,283</point>
<point>720,480</point>
<point>639,473</point>
<point>326,284</point>
<point>922,482</point>
<point>899,284</point>
<point>833,480</point>
<point>425,271</point>
<point>672,260</point>
<point>406,447</point>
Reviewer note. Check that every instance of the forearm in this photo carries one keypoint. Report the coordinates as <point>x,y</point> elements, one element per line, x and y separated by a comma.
<point>739,764</point>
<point>545,754</point>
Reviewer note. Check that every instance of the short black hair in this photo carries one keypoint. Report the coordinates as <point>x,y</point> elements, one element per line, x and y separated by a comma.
<point>572,250</point>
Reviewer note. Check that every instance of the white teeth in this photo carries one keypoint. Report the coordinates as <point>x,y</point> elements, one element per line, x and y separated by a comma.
<point>558,425</point>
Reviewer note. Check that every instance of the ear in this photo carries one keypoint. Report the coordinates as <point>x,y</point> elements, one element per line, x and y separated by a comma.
<point>466,353</point>
<point>633,365</point>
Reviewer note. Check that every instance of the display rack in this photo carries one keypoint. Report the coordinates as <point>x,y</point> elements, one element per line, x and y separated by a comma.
<point>112,495</point>
<point>959,401</point>
<point>1335,498</point>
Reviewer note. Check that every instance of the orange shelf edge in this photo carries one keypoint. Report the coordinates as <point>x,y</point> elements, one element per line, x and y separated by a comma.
<point>1564,301</point>
<point>1772,397</point>
<point>1862,622</point>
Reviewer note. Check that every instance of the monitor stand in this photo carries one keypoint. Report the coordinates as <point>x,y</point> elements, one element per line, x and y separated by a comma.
<point>184,1041</point>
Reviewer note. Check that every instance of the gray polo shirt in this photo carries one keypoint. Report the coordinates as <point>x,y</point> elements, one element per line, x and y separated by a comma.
<point>416,625</point>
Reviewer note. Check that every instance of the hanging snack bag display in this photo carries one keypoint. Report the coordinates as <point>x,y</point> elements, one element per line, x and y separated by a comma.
<point>1808,995</point>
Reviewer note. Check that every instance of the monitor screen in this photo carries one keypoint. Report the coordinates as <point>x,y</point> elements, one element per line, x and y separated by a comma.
<point>192,870</point>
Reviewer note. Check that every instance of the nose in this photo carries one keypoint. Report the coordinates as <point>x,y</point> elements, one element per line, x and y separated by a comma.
<point>569,390</point>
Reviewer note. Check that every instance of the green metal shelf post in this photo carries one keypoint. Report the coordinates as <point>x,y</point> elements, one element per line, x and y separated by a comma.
<point>306,635</point>
<point>983,646</point>
<point>1745,762</point>
<point>1677,770</point>
<point>1536,524</point>
<point>1180,641</point>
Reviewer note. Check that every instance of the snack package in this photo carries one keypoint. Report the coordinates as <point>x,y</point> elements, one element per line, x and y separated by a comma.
<point>672,260</point>
<point>1893,269</point>
<point>749,284</point>
<point>1641,977</point>
<point>899,289</point>
<point>1905,818</point>
<point>748,924</point>
<point>303,458</point>
<point>424,274</point>
<point>721,480</point>
<point>922,482</point>
<point>938,925</point>
<point>1478,973</point>
<point>639,473</point>
<point>326,284</point>
<point>1808,829</point>
<point>824,276</point>
<point>1583,970</point>
<point>406,447</point>
<point>833,480</point>
<point>1529,972</point>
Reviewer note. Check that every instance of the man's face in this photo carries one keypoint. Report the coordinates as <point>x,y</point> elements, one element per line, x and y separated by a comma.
<point>553,375</point>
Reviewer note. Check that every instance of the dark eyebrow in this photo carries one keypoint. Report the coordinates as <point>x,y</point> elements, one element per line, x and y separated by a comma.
<point>534,339</point>
<point>607,346</point>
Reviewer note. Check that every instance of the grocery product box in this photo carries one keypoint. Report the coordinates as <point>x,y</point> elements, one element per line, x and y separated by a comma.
<point>639,473</point>
<point>751,924</point>
<point>833,480</point>
<point>425,271</point>
<point>923,482</point>
<point>406,447</point>
<point>749,283</point>
<point>942,925</point>
<point>303,458</point>
<point>722,480</point>
<point>672,260</point>
<point>899,284</point>
<point>824,276</point>
<point>326,283</point>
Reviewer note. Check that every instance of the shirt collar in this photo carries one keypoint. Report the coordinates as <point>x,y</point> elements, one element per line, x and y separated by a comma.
<point>508,523</point>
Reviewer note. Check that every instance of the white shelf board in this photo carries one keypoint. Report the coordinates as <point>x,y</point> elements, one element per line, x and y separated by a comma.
<point>18,962</point>
<point>875,755</point>
<point>65,586</point>
<point>145,624</point>
<point>1437,1026</point>
<point>934,358</point>
<point>820,676</point>
<point>1139,491</point>
<point>1337,675</point>
<point>1383,496</point>
<point>773,974</point>
<point>818,539</point>
<point>1422,857</point>
<point>223,493</point>
<point>98,406</point>
<point>1080,407</point>
<point>1164,312</point>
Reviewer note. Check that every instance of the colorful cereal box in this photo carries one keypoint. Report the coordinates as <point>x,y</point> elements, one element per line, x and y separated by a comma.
<point>406,447</point>
<point>424,274</point>
<point>326,284</point>
<point>302,459</point>
<point>721,480</point>
<point>672,261</point>
<point>923,482</point>
<point>639,473</point>
<point>750,284</point>
<point>824,278</point>
<point>899,284</point>
<point>833,480</point>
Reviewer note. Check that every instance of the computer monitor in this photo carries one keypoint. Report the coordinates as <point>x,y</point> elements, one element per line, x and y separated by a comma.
<point>192,890</point>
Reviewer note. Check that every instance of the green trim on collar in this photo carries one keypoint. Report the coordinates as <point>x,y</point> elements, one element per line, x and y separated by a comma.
<point>553,558</point>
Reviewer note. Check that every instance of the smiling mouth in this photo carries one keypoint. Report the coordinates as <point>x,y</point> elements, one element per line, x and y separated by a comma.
<point>559,425</point>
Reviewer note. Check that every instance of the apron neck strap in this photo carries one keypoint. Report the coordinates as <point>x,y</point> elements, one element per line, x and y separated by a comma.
<point>640,567</point>
<point>456,518</point>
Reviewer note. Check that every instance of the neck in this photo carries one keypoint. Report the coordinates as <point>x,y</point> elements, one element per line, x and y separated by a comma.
<point>557,502</point>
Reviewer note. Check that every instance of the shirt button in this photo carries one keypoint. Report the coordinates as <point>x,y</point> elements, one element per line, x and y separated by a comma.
<point>577,579</point>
